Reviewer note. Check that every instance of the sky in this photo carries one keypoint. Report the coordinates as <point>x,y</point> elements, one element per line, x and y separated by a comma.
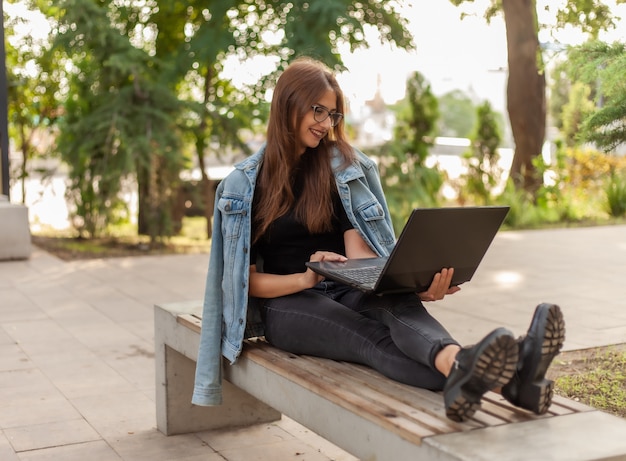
<point>451,53</point>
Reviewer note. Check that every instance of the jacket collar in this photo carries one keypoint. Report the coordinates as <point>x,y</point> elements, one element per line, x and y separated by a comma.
<point>250,165</point>
<point>345,174</point>
<point>252,162</point>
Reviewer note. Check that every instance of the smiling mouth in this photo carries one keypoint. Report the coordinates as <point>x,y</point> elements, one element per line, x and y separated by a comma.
<point>317,133</point>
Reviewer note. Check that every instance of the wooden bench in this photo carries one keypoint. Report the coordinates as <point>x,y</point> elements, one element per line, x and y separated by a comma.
<point>359,410</point>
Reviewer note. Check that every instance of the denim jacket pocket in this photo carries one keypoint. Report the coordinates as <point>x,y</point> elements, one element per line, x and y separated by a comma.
<point>371,211</point>
<point>373,216</point>
<point>233,211</point>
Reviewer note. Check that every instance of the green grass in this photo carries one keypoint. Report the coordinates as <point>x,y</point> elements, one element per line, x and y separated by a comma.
<point>85,246</point>
<point>598,380</point>
<point>123,241</point>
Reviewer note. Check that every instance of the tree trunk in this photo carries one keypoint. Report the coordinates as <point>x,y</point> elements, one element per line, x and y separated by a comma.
<point>144,202</point>
<point>206,185</point>
<point>526,91</point>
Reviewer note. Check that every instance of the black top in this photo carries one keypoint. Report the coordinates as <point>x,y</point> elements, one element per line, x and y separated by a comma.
<point>287,244</point>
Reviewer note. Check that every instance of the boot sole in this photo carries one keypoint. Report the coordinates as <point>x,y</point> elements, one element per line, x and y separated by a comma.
<point>535,391</point>
<point>493,367</point>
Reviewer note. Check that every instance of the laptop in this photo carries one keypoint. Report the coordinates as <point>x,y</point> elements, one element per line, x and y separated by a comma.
<point>432,239</point>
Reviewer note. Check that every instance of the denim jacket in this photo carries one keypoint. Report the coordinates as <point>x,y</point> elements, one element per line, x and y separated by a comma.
<point>226,309</point>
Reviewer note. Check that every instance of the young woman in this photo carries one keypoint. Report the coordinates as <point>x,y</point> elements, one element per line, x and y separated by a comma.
<point>307,195</point>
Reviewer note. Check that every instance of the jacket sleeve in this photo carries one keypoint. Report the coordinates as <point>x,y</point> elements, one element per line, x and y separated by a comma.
<point>208,381</point>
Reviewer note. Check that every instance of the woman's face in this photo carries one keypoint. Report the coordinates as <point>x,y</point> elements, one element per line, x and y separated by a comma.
<point>311,131</point>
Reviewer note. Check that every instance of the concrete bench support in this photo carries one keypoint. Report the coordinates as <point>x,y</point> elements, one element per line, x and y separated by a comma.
<point>363,412</point>
<point>176,353</point>
<point>14,231</point>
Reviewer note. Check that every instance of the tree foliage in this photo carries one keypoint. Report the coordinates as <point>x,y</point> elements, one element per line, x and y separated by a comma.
<point>574,112</point>
<point>119,120</point>
<point>408,181</point>
<point>146,84</point>
<point>33,108</point>
<point>560,87</point>
<point>457,115</point>
<point>605,65</point>
<point>483,170</point>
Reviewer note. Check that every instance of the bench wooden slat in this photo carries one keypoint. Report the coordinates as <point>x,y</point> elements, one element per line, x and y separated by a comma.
<point>412,396</point>
<point>560,405</point>
<point>500,413</point>
<point>495,406</point>
<point>347,375</point>
<point>430,400</point>
<point>293,368</point>
<point>572,406</point>
<point>193,322</point>
<point>495,410</point>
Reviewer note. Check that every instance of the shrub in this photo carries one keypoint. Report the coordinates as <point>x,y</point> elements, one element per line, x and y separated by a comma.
<point>615,190</point>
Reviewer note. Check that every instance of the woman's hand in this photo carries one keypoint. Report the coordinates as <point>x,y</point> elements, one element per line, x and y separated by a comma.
<point>327,256</point>
<point>264,285</point>
<point>313,278</point>
<point>440,286</point>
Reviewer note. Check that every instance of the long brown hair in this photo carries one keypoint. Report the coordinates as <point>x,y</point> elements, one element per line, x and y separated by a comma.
<point>299,86</point>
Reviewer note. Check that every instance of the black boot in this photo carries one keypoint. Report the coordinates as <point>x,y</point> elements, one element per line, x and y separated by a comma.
<point>529,388</point>
<point>489,364</point>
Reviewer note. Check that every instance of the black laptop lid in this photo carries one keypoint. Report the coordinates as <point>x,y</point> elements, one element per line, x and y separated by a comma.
<point>434,238</point>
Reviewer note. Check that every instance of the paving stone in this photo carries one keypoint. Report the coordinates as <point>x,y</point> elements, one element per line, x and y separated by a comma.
<point>51,434</point>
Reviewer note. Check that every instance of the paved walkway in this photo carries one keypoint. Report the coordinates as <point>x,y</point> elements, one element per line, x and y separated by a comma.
<point>76,343</point>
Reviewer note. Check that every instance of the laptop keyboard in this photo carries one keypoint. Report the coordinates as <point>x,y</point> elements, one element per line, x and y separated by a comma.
<point>364,275</point>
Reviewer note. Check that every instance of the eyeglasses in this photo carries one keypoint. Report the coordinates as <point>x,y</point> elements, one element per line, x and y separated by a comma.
<point>321,113</point>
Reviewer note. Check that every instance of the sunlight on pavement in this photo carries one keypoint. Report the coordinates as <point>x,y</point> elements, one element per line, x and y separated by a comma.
<point>508,279</point>
<point>510,235</point>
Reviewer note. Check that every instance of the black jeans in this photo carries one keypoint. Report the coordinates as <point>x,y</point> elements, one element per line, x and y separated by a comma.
<point>394,334</point>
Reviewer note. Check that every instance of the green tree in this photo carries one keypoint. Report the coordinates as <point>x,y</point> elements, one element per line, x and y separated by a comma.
<point>408,181</point>
<point>118,122</point>
<point>559,93</point>
<point>603,64</point>
<point>575,111</point>
<point>174,53</point>
<point>191,45</point>
<point>32,105</point>
<point>483,170</point>
<point>526,89</point>
<point>457,115</point>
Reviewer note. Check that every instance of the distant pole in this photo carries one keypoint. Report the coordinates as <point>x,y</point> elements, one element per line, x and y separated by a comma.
<point>4,113</point>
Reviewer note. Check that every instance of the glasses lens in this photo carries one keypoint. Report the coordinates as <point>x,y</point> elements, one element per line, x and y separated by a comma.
<point>320,114</point>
